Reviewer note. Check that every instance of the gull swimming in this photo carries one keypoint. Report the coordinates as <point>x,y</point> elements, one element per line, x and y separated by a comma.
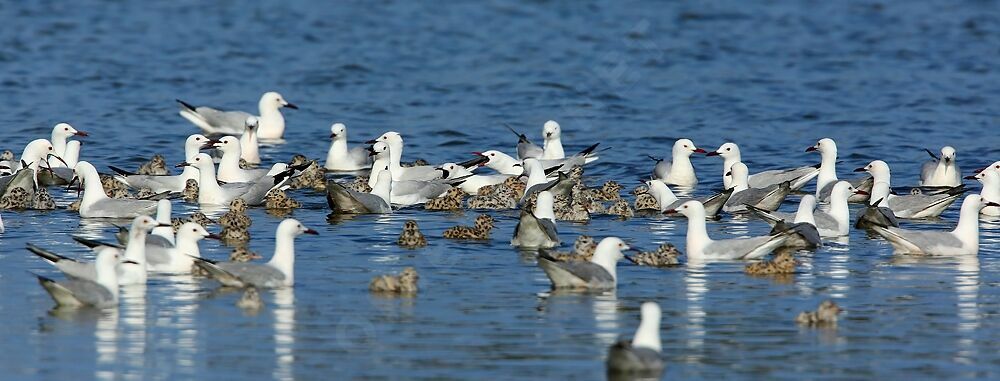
<point>101,292</point>
<point>667,200</point>
<point>60,133</point>
<point>802,220</point>
<point>346,200</point>
<point>941,171</point>
<point>211,193</point>
<point>167,183</point>
<point>642,354</point>
<point>96,203</point>
<point>552,135</point>
<point>678,171</point>
<point>249,144</point>
<point>472,181</point>
<point>702,247</point>
<point>177,258</point>
<point>730,154</point>
<point>990,178</point>
<point>276,273</point>
<point>963,240</point>
<point>212,121</point>
<point>764,198</point>
<point>399,173</point>
<point>537,229</point>
<point>229,165</point>
<point>833,223</point>
<point>339,157</point>
<point>912,205</point>
<point>597,274</point>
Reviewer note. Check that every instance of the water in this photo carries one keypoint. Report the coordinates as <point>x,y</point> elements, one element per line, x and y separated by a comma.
<point>883,79</point>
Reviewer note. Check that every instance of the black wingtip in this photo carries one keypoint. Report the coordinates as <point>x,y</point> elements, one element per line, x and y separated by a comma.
<point>544,254</point>
<point>186,105</point>
<point>121,171</point>
<point>929,152</point>
<point>44,253</point>
<point>200,259</point>
<point>590,149</point>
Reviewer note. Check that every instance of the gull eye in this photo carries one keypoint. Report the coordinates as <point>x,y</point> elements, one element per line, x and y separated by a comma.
<point>66,129</point>
<point>194,230</point>
<point>729,149</point>
<point>685,146</point>
<point>50,148</point>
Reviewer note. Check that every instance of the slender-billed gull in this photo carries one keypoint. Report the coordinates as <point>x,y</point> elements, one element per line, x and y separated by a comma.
<point>346,200</point>
<point>918,205</point>
<point>642,354</point>
<point>537,229</point>
<point>730,154</point>
<point>339,157</point>
<point>166,183</point>
<point>96,203</point>
<point>597,274</point>
<point>276,273</point>
<point>941,171</point>
<point>678,171</point>
<point>764,198</point>
<point>835,222</point>
<point>702,247</point>
<point>964,239</point>
<point>102,292</point>
<point>212,121</point>
<point>990,178</point>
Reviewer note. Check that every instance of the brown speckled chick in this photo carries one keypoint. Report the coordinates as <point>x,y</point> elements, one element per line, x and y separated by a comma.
<point>783,263</point>
<point>411,237</point>
<point>583,250</point>
<point>190,193</point>
<point>516,185</point>
<point>278,199</point>
<point>154,167</point>
<point>405,283</point>
<point>360,184</point>
<point>16,198</point>
<point>621,209</point>
<point>826,314</point>
<point>646,201</point>
<point>451,200</point>
<point>43,200</point>
<point>665,255</point>
<point>484,224</point>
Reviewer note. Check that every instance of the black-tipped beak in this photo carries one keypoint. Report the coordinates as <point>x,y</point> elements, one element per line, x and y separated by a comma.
<point>517,165</point>
<point>58,158</point>
<point>371,151</point>
<point>333,135</point>
<point>311,232</point>
<point>291,106</point>
<point>729,173</point>
<point>699,150</point>
<point>213,236</point>
<point>71,182</point>
<point>81,133</point>
<point>810,149</point>
<point>548,134</point>
<point>211,143</point>
<point>373,141</point>
<point>861,192</point>
<point>973,177</point>
<point>444,171</point>
<point>131,262</point>
<point>182,164</point>
<point>861,169</point>
<point>991,203</point>
<point>713,153</point>
<point>164,224</point>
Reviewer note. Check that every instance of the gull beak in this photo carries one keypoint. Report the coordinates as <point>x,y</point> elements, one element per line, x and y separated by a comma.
<point>445,171</point>
<point>129,261</point>
<point>991,203</point>
<point>182,164</point>
<point>211,143</point>
<point>310,231</point>
<point>72,181</point>
<point>861,169</point>
<point>699,150</point>
<point>713,153</point>
<point>813,148</point>
<point>861,192</point>
<point>972,177</point>
<point>81,133</point>
<point>163,225</point>
<point>517,165</point>
<point>57,157</point>
<point>548,134</point>
<point>213,236</point>
<point>371,151</point>
<point>333,135</point>
<point>291,106</point>
<point>670,211</point>
<point>729,173</point>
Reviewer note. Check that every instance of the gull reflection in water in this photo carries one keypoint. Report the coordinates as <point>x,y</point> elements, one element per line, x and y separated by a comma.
<point>696,286</point>
<point>284,333</point>
<point>605,307</point>
<point>184,302</point>
<point>839,274</point>
<point>133,310</point>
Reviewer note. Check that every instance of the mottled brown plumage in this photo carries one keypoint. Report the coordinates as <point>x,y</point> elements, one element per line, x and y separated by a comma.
<point>825,315</point>
<point>411,237</point>
<point>665,255</point>
<point>190,193</point>
<point>404,283</point>
<point>451,200</point>
<point>583,250</point>
<point>154,167</point>
<point>783,263</point>
<point>481,231</point>
<point>278,199</point>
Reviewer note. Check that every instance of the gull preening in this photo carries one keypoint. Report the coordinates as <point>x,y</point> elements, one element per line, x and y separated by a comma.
<point>217,122</point>
<point>276,273</point>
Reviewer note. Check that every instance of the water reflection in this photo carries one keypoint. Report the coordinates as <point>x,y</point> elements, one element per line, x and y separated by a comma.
<point>133,310</point>
<point>695,280</point>
<point>284,333</point>
<point>605,308</point>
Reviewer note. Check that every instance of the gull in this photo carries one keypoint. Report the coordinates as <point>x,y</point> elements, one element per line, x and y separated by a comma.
<point>525,148</point>
<point>941,172</point>
<point>537,181</point>
<point>101,292</point>
<point>229,165</point>
<point>211,193</point>
<point>833,223</point>
<point>408,192</point>
<point>168,183</point>
<point>2,228</point>
<point>276,273</point>
<point>667,200</point>
<point>249,145</point>
<point>399,173</point>
<point>178,258</point>
<point>96,203</point>
<point>339,157</point>
<point>701,247</point>
<point>60,133</point>
<point>69,266</point>
<point>963,240</point>
<point>135,251</point>
<point>764,198</point>
<point>730,153</point>
<point>163,211</point>
<point>597,274</point>
<point>537,229</point>
<point>36,152</point>
<point>346,200</point>
<point>990,178</point>
<point>803,220</point>
<point>503,163</point>
<point>552,148</point>
<point>877,211</point>
<point>679,170</point>
<point>472,181</point>
<point>642,354</point>
<point>912,205</point>
<point>827,149</point>
<point>212,121</point>
<point>72,153</point>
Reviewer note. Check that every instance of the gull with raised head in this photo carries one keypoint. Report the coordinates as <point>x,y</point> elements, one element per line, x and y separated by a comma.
<point>597,274</point>
<point>249,144</point>
<point>963,240</point>
<point>702,247</point>
<point>678,171</point>
<point>730,154</point>
<point>276,273</point>
<point>217,122</point>
<point>941,171</point>
<point>60,135</point>
<point>339,157</point>
<point>552,135</point>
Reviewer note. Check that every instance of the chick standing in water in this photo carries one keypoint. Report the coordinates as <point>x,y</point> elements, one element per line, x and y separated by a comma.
<point>484,224</point>
<point>411,237</point>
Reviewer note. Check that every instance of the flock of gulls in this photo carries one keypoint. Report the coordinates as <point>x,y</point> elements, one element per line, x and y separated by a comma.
<point>222,168</point>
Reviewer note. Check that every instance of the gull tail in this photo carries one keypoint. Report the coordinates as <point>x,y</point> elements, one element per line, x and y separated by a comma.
<point>765,215</point>
<point>897,240</point>
<point>61,295</point>
<point>217,273</point>
<point>589,150</point>
<point>929,152</point>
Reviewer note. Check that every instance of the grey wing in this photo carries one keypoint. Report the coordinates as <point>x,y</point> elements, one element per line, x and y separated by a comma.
<point>77,270</point>
<point>88,292</point>
<point>225,119</point>
<point>426,189</point>
<point>359,155</point>
<point>158,249</point>
<point>623,357</point>
<point>714,202</point>
<point>908,205</point>
<point>373,203</point>
<point>927,170</point>
<point>927,239</point>
<point>825,221</point>
<point>254,274</point>
<point>549,228</point>
<point>526,149</point>
<point>662,169</point>
<point>798,176</point>
<point>255,192</point>
<point>588,272</point>
<point>735,248</point>
<point>125,208</point>
<point>156,183</point>
<point>420,173</point>
<point>343,200</point>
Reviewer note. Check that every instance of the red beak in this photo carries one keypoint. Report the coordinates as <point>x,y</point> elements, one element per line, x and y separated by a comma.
<point>670,211</point>
<point>713,153</point>
<point>81,133</point>
<point>859,191</point>
<point>699,150</point>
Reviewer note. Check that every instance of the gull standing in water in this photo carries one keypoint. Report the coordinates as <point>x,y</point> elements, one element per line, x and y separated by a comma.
<point>730,154</point>
<point>912,205</point>
<point>167,183</point>
<point>764,198</point>
<point>990,178</point>
<point>679,170</point>
<point>963,240</point>
<point>597,274</point>
<point>642,354</point>
<point>100,292</point>
<point>339,157</point>
<point>96,203</point>
<point>276,273</point>
<point>537,229</point>
<point>941,171</point>
<point>701,247</point>
<point>216,122</point>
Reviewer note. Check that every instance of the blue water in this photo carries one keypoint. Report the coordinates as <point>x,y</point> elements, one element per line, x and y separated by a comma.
<point>885,79</point>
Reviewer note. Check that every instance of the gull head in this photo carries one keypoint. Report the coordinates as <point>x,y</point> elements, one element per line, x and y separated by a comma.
<point>825,145</point>
<point>146,223</point>
<point>727,151</point>
<point>64,130</point>
<point>492,156</point>
<point>251,123</point>
<point>294,228</point>
<point>685,147</point>
<point>36,150</point>
<point>612,247</point>
<point>274,100</point>
<point>551,130</point>
<point>948,154</point>
<point>391,137</point>
<point>199,161</point>
<point>195,232</point>
<point>195,142</point>
<point>378,149</point>
<point>875,168</point>
<point>842,190</point>
<point>228,144</point>
<point>338,130</point>
<point>693,210</point>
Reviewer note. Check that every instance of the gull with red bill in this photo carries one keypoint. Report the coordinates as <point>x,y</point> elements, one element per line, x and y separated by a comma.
<point>963,240</point>
<point>678,171</point>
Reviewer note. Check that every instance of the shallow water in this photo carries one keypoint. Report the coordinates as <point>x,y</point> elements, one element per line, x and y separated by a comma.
<point>883,79</point>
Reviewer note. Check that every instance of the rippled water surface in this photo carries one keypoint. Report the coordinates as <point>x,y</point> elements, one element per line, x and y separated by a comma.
<point>885,79</point>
